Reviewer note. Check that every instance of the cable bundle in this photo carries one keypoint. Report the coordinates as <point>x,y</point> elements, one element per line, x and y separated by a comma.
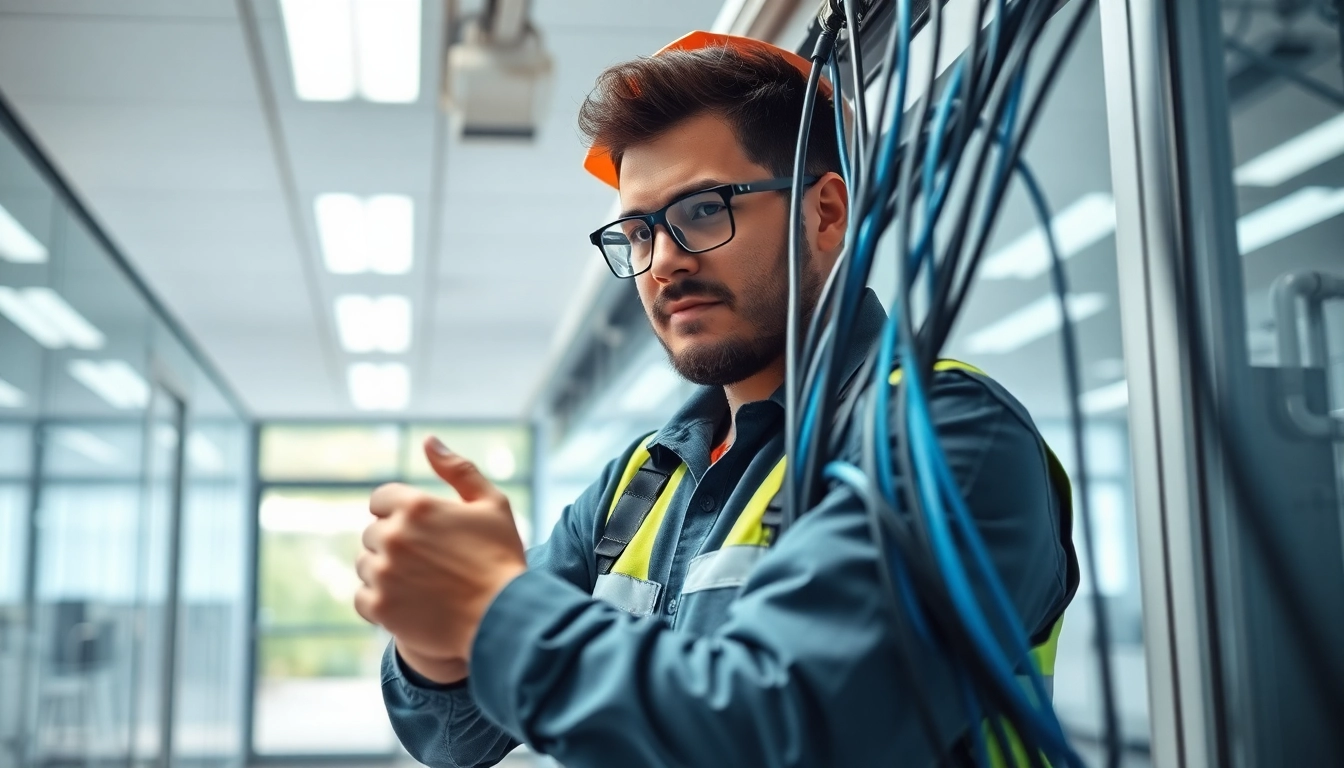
<point>908,177</point>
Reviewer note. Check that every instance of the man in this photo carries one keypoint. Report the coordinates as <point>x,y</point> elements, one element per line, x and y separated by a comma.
<point>690,640</point>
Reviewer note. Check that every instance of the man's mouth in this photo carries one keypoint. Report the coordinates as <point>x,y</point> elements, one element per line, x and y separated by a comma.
<point>686,309</point>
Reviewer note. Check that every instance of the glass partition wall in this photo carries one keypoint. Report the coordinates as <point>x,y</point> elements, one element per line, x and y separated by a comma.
<point>124,469</point>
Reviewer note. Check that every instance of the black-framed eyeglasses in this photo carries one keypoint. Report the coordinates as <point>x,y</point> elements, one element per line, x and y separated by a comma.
<point>699,221</point>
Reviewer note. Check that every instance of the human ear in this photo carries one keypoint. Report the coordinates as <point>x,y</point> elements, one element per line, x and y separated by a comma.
<point>829,199</point>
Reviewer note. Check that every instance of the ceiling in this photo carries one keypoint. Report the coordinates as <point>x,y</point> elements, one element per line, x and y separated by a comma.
<point>177,124</point>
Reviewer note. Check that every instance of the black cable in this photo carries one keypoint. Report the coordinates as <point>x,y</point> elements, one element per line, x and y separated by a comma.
<point>790,497</point>
<point>905,197</point>
<point>1023,41</point>
<point>860,131</point>
<point>908,171</point>
<point>993,205</point>
<point>888,67</point>
<point>1069,349</point>
<point>987,88</point>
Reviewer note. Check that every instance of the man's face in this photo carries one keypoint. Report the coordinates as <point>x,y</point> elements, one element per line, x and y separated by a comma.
<point>721,315</point>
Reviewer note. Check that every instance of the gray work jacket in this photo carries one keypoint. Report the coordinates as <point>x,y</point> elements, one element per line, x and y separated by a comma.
<point>793,666</point>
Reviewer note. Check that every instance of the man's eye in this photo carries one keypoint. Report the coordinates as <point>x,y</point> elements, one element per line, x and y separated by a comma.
<point>705,210</point>
<point>640,235</point>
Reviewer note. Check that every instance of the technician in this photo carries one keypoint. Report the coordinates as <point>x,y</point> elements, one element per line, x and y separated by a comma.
<point>662,623</point>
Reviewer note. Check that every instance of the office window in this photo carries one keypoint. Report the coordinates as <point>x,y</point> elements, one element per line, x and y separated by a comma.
<point>318,663</point>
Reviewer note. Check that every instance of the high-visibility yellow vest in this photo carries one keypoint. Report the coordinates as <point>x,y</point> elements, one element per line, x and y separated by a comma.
<point>749,530</point>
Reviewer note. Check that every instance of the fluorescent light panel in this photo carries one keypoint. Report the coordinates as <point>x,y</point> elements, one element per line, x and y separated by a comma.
<point>44,315</point>
<point>1294,157</point>
<point>1283,218</point>
<point>1034,321</point>
<point>366,235</point>
<point>389,226</point>
<point>1111,397</point>
<point>379,386</point>
<point>340,48</point>
<point>374,324</point>
<point>1090,219</point>
<point>89,445</point>
<point>387,48</point>
<point>11,396</point>
<point>18,244</point>
<point>320,34</point>
<point>115,381</point>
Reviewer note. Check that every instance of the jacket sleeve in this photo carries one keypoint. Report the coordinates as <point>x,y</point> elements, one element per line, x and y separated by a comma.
<point>441,726</point>
<point>804,671</point>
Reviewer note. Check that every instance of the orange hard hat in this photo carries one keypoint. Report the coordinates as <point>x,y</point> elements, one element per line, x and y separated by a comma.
<point>599,163</point>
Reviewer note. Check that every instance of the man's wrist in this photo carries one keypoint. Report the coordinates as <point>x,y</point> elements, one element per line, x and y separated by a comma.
<point>432,673</point>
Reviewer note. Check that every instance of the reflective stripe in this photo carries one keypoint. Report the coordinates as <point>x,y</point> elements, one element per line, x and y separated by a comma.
<point>747,529</point>
<point>634,561</point>
<point>941,365</point>
<point>1044,654</point>
<point>628,593</point>
<point>727,567</point>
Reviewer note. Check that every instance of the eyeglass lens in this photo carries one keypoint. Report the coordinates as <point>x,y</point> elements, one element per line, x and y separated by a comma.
<point>698,222</point>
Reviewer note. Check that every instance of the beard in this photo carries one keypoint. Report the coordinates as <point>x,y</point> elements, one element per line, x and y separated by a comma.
<point>764,306</point>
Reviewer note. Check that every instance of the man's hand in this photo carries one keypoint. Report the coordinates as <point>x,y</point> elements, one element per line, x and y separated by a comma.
<point>432,566</point>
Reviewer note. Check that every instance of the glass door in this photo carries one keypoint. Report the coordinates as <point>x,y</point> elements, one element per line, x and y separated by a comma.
<point>158,566</point>
<point>1229,143</point>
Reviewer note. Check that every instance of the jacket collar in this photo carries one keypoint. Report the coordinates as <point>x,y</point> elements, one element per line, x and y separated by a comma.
<point>689,434</point>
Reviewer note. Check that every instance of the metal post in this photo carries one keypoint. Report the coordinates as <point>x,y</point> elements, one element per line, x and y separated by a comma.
<point>27,733</point>
<point>1171,497</point>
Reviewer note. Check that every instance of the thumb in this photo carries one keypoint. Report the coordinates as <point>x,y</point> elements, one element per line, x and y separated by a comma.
<point>457,471</point>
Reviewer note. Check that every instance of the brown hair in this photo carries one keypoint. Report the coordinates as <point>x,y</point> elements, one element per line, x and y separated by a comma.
<point>759,94</point>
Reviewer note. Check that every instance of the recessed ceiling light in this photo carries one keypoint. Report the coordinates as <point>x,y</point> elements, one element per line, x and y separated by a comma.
<point>1076,228</point>
<point>374,324</point>
<point>79,333</point>
<point>88,445</point>
<point>44,315</point>
<point>387,48</point>
<point>1108,368</point>
<point>390,220</point>
<point>115,381</point>
<point>11,396</point>
<point>1283,218</point>
<point>1034,321</point>
<point>18,244</point>
<point>1111,397</point>
<point>357,235</point>
<point>1294,157</point>
<point>339,49</point>
<point>379,386</point>
<point>320,34</point>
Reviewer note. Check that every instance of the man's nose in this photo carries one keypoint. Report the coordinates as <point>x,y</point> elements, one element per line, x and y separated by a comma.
<point>669,258</point>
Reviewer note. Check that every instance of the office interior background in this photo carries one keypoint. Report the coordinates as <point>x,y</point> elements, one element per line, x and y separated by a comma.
<point>253,252</point>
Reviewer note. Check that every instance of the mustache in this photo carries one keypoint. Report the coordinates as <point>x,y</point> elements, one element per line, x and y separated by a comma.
<point>688,288</point>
